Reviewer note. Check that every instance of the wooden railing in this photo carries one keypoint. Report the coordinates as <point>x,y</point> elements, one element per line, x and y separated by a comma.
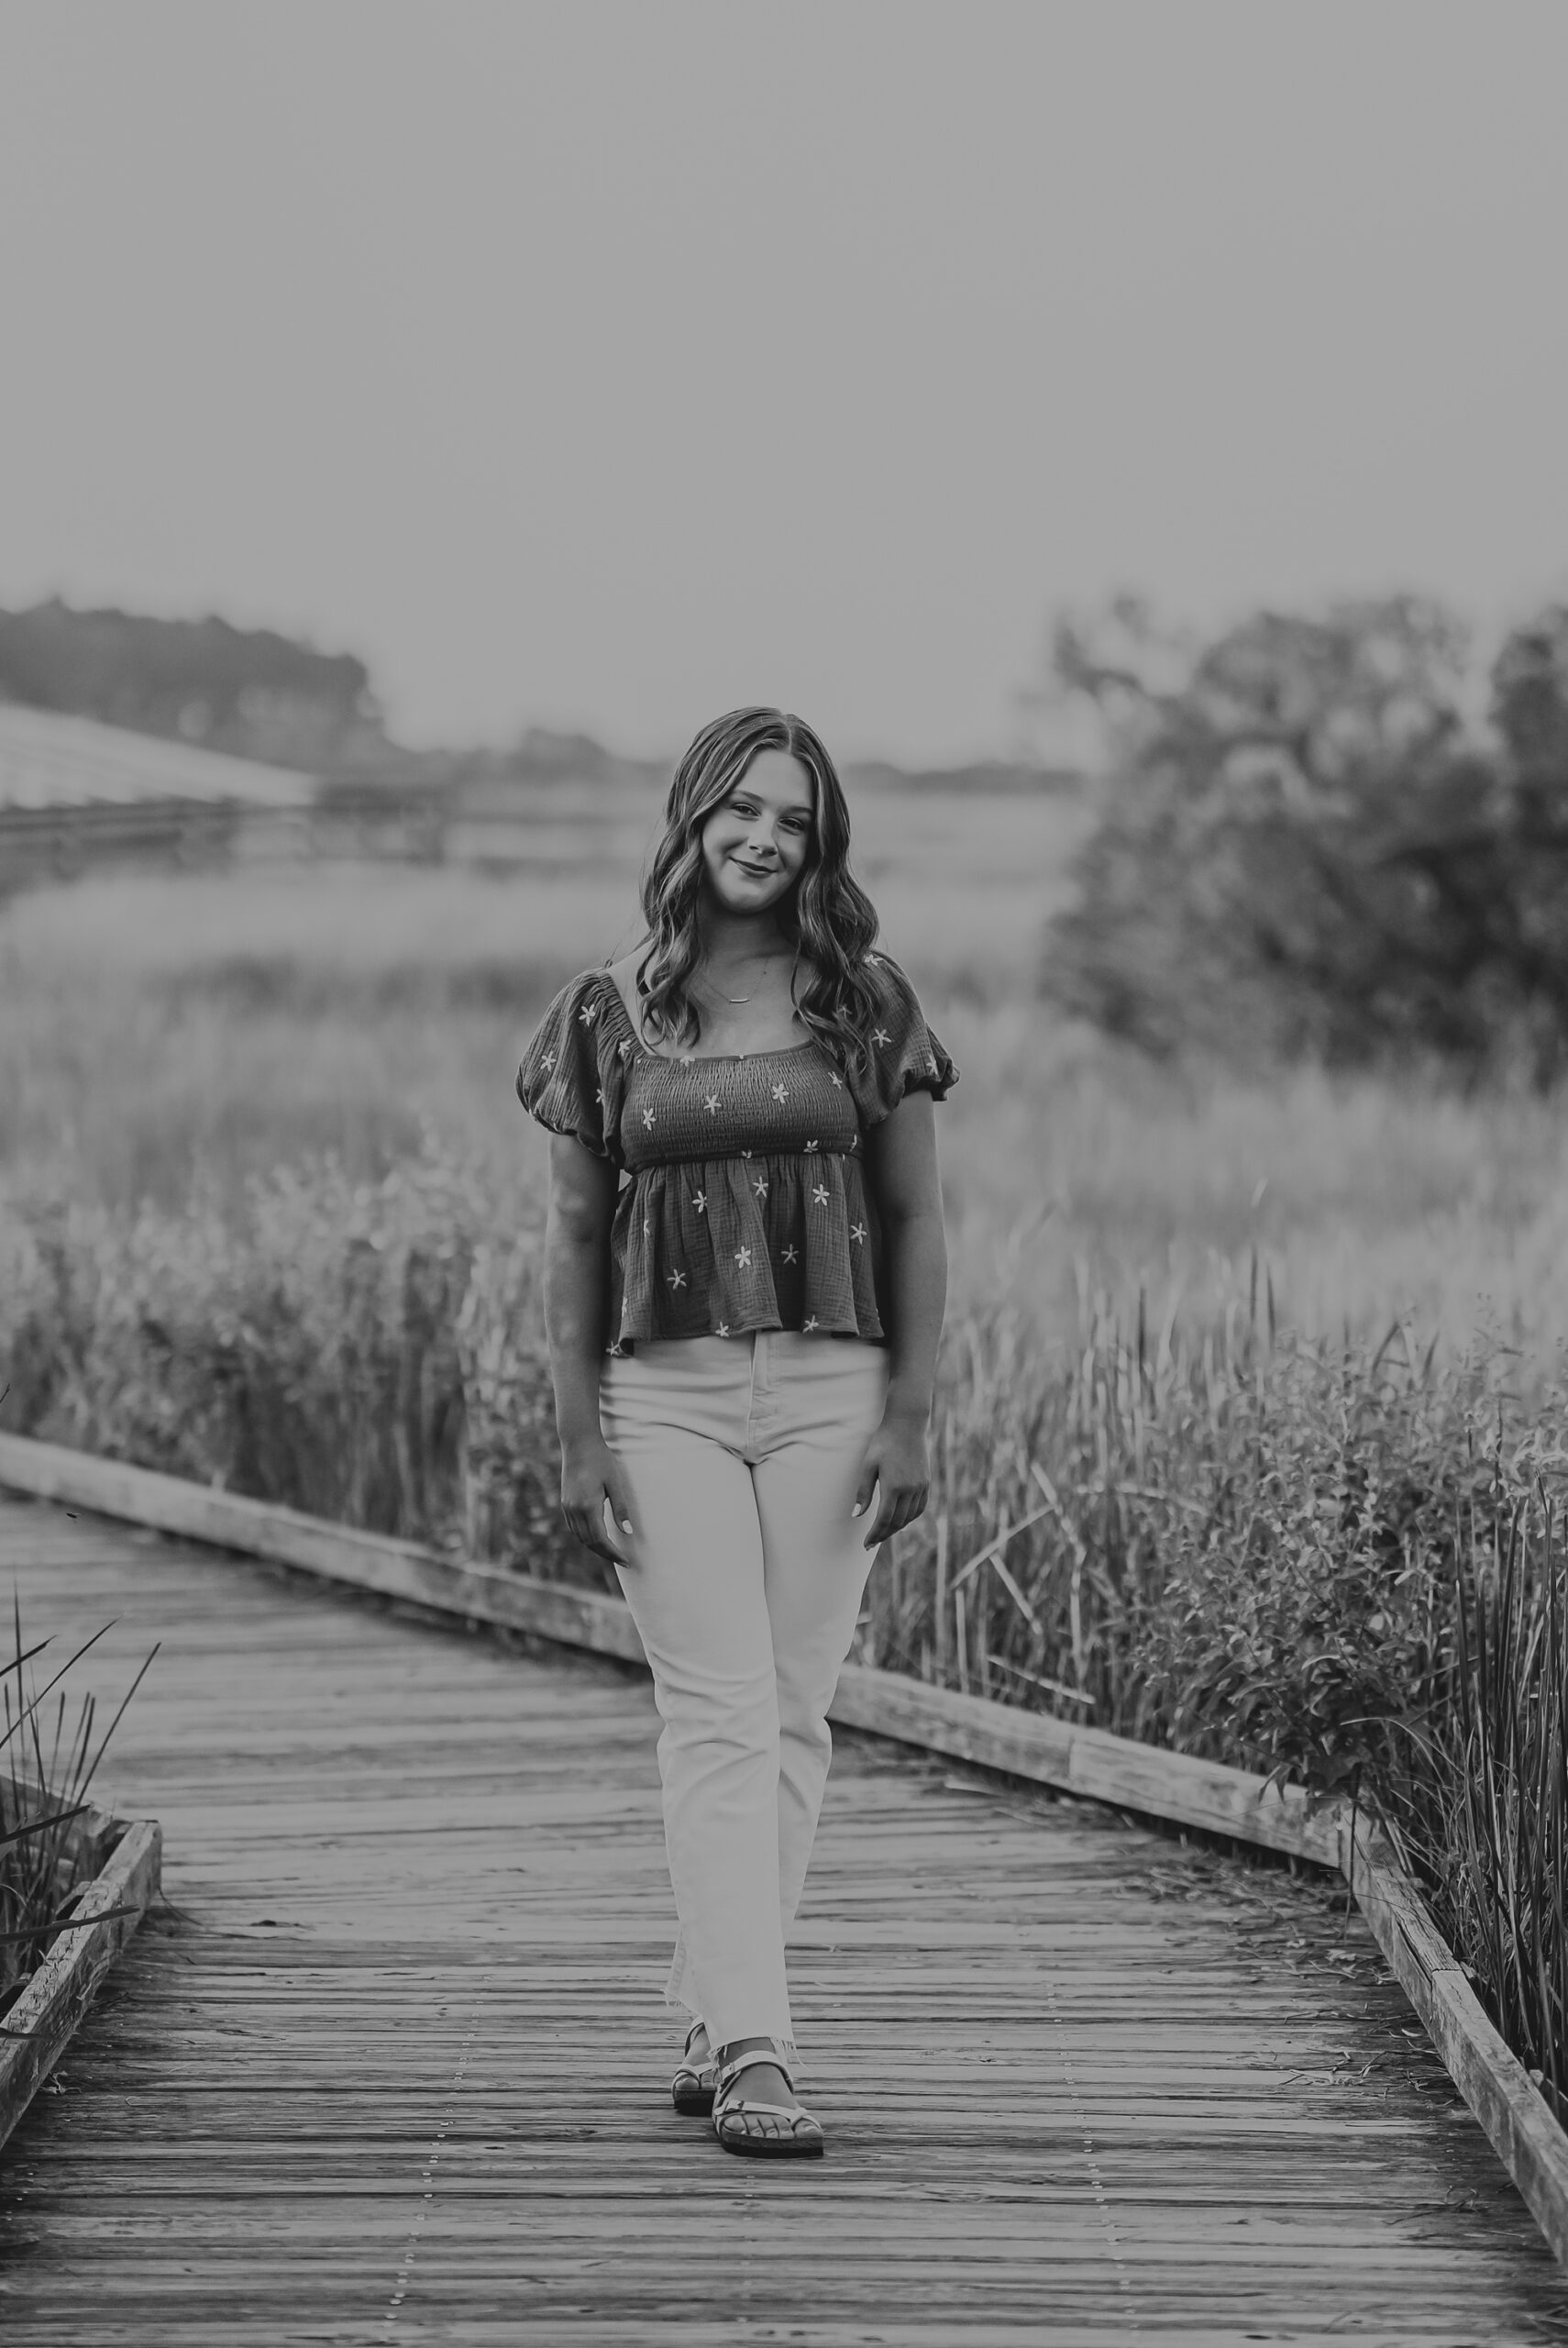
<point>42,844</point>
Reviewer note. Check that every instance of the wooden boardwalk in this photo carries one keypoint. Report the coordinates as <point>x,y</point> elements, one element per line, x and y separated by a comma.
<point>393,2067</point>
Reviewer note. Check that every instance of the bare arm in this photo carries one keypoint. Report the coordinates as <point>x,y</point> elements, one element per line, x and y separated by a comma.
<point>576,1284</point>
<point>901,1156</point>
<point>901,1153</point>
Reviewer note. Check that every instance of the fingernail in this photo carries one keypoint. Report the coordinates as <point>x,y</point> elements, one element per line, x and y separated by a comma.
<point>626,1525</point>
<point>857,1508</point>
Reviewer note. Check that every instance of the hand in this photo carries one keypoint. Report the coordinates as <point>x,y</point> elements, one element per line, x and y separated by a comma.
<point>895,1460</point>
<point>590,1472</point>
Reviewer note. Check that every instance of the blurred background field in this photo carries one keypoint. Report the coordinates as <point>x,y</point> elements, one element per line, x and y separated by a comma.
<point>164,1030</point>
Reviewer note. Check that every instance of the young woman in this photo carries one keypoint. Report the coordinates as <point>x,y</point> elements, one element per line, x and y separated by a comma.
<point>743,1340</point>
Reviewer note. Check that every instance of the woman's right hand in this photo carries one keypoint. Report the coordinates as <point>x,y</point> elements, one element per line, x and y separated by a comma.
<point>589,1473</point>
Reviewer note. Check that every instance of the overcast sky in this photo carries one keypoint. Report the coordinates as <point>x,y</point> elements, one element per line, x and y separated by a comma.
<point>609,365</point>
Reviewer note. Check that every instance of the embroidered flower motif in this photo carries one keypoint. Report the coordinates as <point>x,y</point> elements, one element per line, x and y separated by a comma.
<point>780,1093</point>
<point>549,1061</point>
<point>678,1280</point>
<point>836,1081</point>
<point>811,1323</point>
<point>700,1201</point>
<point>723,1329</point>
<point>881,1036</point>
<point>712,1104</point>
<point>789,1253</point>
<point>743,1257</point>
<point>599,1097</point>
<point>615,1348</point>
<point>644,1226</point>
<point>857,1231</point>
<point>589,1013</point>
<point>745,1153</point>
<point>760,1186</point>
<point>932,1063</point>
<point>648,1118</point>
<point>813,1144</point>
<point>625,1047</point>
<point>820,1194</point>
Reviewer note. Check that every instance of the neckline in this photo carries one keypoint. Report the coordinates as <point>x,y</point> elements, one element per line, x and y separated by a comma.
<point>694,1060</point>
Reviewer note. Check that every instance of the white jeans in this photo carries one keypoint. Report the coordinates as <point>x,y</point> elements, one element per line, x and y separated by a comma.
<point>746,1573</point>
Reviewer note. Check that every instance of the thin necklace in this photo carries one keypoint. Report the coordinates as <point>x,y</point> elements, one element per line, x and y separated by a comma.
<point>745,998</point>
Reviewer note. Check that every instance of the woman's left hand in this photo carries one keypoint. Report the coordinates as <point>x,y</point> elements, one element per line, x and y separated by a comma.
<point>897,1459</point>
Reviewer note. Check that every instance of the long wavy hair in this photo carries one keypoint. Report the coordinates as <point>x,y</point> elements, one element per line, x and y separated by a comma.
<point>826,917</point>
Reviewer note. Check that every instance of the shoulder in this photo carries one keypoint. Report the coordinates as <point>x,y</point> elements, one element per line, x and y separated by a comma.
<point>906,1054</point>
<point>584,996</point>
<point>571,1074</point>
<point>622,977</point>
<point>890,981</point>
<point>574,1020</point>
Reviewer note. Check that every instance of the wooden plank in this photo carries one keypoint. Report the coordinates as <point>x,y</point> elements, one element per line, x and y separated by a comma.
<point>42,2021</point>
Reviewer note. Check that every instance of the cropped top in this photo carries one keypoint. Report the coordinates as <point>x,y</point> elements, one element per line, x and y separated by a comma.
<point>749,1205</point>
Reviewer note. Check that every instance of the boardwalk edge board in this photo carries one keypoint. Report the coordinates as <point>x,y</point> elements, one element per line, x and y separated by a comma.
<point>47,2014</point>
<point>1092,1763</point>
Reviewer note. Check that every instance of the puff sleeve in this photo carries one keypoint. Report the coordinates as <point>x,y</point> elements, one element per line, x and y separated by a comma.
<point>906,1056</point>
<point>570,1076</point>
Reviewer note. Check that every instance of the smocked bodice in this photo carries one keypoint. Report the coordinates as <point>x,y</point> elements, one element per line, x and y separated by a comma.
<point>675,1110</point>
<point>749,1204</point>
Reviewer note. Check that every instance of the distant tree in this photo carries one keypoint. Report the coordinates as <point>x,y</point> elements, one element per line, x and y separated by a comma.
<point>1529,708</point>
<point>1530,713</point>
<point>1309,845</point>
<point>248,691</point>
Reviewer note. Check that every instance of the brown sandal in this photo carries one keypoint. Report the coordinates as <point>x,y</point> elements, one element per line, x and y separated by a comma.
<point>691,2090</point>
<point>733,2117</point>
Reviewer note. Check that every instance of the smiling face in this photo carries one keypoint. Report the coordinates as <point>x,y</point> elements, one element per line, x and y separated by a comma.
<point>757,842</point>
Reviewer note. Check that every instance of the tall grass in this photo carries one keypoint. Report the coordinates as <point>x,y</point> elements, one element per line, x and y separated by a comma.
<point>363,1351</point>
<point>48,1761</point>
<point>1501,1852</point>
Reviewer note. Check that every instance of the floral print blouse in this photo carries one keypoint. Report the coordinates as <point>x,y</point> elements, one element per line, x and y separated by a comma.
<point>749,1205</point>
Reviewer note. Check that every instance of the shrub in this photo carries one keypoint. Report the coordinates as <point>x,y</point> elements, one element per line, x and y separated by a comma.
<point>364,1351</point>
<point>1308,847</point>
